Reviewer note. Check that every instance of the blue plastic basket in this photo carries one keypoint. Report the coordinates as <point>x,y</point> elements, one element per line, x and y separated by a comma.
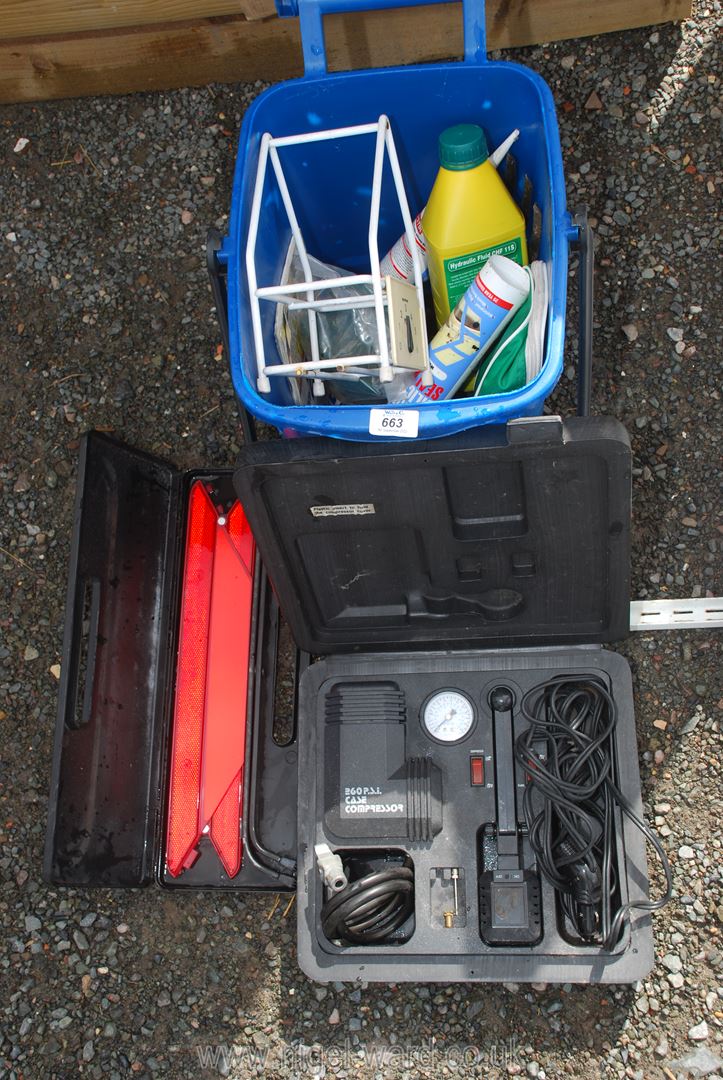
<point>331,197</point>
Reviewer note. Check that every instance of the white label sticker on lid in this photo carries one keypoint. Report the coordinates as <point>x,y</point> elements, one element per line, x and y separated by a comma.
<point>342,509</point>
<point>401,423</point>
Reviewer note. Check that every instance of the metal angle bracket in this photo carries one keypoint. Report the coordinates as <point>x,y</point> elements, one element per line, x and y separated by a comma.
<point>690,613</point>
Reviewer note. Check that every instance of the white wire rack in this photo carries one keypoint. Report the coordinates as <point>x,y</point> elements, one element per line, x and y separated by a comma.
<point>302,296</point>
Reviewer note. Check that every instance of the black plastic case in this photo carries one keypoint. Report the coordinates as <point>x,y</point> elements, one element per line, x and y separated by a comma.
<point>497,557</point>
<point>110,763</point>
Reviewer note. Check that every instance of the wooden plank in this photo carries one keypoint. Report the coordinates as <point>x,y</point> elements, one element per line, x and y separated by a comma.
<point>232,49</point>
<point>46,18</point>
<point>511,23</point>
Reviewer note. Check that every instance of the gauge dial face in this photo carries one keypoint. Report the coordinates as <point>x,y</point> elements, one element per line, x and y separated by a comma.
<point>448,716</point>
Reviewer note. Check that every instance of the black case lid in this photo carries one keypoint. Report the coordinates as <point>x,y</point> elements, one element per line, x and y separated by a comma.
<point>501,536</point>
<point>105,791</point>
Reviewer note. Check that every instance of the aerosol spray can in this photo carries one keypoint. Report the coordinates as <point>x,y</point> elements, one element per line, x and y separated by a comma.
<point>478,319</point>
<point>398,262</point>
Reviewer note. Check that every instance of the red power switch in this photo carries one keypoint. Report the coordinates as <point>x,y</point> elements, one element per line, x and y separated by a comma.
<point>476,770</point>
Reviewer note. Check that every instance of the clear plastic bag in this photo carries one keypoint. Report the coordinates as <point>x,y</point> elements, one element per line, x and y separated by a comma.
<point>352,332</point>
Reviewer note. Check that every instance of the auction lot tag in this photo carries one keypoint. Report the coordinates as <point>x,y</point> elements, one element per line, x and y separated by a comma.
<point>401,423</point>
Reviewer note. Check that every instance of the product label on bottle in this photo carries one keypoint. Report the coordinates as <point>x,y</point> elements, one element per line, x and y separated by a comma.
<point>460,272</point>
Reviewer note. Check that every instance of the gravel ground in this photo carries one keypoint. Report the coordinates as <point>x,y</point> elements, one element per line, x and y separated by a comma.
<point>108,322</point>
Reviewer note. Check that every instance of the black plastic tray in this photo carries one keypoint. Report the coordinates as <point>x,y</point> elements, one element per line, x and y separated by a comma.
<point>434,952</point>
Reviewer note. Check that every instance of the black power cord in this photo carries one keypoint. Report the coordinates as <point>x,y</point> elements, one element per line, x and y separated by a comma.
<point>371,908</point>
<point>571,802</point>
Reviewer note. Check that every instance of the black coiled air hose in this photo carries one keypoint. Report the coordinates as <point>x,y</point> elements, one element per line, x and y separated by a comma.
<point>370,909</point>
<point>573,805</point>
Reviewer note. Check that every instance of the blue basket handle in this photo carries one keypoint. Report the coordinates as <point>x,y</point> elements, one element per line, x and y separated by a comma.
<point>311,18</point>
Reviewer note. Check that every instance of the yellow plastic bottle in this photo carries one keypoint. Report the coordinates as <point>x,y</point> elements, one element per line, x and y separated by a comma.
<point>470,216</point>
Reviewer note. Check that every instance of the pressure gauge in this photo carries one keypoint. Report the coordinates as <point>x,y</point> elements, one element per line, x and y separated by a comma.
<point>448,716</point>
